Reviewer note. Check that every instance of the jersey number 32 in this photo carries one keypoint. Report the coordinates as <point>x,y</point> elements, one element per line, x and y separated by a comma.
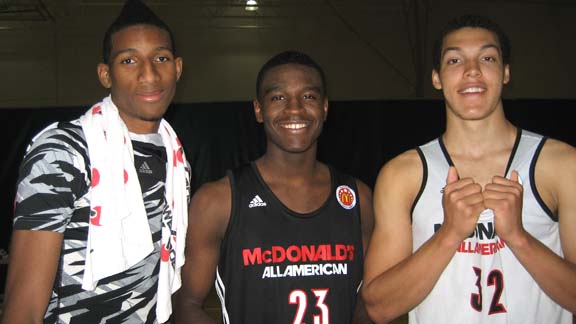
<point>496,279</point>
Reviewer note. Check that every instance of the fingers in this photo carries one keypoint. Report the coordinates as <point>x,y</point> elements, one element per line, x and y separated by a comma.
<point>453,181</point>
<point>463,203</point>
<point>514,179</point>
<point>501,185</point>
<point>452,175</point>
<point>466,195</point>
<point>514,176</point>
<point>503,193</point>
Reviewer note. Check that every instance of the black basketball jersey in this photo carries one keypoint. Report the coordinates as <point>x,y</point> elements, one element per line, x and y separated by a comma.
<point>279,266</point>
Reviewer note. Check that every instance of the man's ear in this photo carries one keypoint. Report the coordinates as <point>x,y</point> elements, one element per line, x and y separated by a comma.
<point>325,108</point>
<point>506,74</point>
<point>436,80</point>
<point>258,111</point>
<point>104,75</point>
<point>178,62</point>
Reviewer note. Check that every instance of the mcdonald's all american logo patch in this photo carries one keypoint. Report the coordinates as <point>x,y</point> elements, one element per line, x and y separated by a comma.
<point>346,197</point>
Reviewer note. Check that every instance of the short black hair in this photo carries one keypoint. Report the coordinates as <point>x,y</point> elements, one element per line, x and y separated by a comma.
<point>133,13</point>
<point>472,21</point>
<point>289,57</point>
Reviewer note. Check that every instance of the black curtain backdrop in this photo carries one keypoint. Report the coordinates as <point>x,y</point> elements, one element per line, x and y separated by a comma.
<point>358,137</point>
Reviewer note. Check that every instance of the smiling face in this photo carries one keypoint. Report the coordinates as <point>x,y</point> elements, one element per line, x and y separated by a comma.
<point>471,74</point>
<point>141,75</point>
<point>292,107</point>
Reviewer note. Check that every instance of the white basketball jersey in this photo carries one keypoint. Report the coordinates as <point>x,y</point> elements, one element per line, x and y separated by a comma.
<point>484,282</point>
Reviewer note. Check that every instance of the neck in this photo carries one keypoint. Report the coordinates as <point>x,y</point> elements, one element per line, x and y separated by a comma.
<point>138,126</point>
<point>291,166</point>
<point>144,129</point>
<point>477,138</point>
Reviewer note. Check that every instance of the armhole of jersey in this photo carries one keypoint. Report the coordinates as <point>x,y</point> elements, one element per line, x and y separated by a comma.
<point>533,181</point>
<point>514,149</point>
<point>233,204</point>
<point>424,180</point>
<point>354,183</point>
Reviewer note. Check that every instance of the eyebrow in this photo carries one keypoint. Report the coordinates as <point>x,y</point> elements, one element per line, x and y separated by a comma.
<point>458,49</point>
<point>271,89</point>
<point>130,49</point>
<point>277,88</point>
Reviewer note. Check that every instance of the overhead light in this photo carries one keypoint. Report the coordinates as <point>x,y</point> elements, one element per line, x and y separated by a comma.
<point>251,5</point>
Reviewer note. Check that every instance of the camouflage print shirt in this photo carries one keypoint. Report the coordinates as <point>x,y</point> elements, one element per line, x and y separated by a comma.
<point>52,195</point>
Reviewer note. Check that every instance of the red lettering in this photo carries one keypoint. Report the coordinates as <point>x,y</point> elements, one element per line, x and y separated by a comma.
<point>351,252</point>
<point>296,253</point>
<point>320,253</point>
<point>485,249</point>
<point>493,248</point>
<point>267,256</point>
<point>308,252</point>
<point>340,252</point>
<point>293,253</point>
<point>278,254</point>
<point>251,257</point>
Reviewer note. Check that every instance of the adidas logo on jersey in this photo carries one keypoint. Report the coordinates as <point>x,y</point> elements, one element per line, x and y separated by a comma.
<point>144,168</point>
<point>256,202</point>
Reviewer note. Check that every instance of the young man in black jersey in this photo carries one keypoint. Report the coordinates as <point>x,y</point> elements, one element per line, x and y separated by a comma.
<point>101,200</point>
<point>283,237</point>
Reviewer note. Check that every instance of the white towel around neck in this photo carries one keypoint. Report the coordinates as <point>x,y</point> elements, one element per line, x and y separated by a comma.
<point>119,234</point>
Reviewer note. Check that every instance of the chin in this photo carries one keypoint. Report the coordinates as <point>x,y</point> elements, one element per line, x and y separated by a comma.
<point>298,148</point>
<point>153,115</point>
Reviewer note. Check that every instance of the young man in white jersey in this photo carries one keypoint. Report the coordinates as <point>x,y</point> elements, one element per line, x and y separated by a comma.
<point>476,226</point>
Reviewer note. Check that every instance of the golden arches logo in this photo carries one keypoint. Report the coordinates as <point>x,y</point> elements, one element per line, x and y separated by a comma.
<point>346,197</point>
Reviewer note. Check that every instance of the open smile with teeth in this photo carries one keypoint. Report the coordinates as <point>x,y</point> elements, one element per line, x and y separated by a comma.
<point>473,90</point>
<point>294,126</point>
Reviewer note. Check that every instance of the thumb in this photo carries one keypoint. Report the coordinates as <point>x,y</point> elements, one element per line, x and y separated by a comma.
<point>452,175</point>
<point>515,177</point>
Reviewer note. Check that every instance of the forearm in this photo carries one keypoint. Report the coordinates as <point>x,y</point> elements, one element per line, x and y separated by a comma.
<point>22,308</point>
<point>360,316</point>
<point>191,313</point>
<point>555,275</point>
<point>403,286</point>
<point>12,315</point>
<point>31,272</point>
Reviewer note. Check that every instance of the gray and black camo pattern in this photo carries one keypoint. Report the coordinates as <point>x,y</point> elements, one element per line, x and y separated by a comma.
<point>52,195</point>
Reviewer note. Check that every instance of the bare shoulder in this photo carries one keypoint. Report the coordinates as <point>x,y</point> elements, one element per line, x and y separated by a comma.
<point>555,151</point>
<point>557,162</point>
<point>364,191</point>
<point>211,206</point>
<point>555,174</point>
<point>403,173</point>
<point>213,192</point>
